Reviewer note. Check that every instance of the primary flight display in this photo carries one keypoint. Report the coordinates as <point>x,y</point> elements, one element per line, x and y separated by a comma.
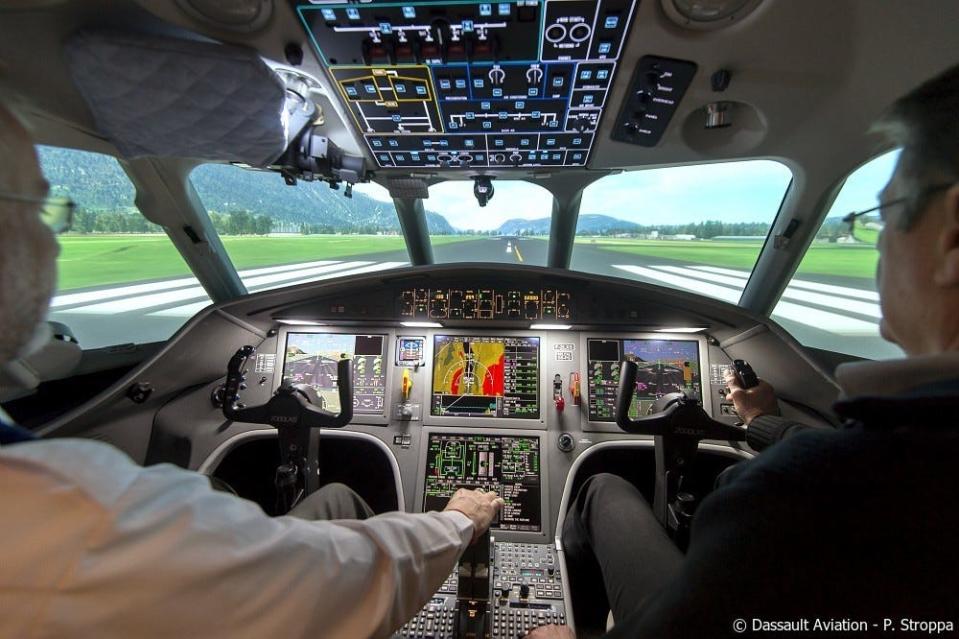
<point>310,358</point>
<point>485,376</point>
<point>665,366</point>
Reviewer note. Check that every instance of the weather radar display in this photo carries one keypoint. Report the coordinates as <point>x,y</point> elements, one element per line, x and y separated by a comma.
<point>311,359</point>
<point>485,376</point>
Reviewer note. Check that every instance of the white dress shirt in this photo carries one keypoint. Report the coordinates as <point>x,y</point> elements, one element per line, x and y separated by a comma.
<point>94,545</point>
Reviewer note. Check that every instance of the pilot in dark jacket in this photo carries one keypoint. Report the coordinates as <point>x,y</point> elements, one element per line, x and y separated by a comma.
<point>847,531</point>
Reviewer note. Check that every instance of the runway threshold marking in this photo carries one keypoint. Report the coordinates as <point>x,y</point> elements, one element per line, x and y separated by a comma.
<point>729,288</point>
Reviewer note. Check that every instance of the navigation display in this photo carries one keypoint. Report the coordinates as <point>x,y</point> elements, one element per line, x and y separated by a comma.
<point>665,366</point>
<point>311,358</point>
<point>507,464</point>
<point>485,377</point>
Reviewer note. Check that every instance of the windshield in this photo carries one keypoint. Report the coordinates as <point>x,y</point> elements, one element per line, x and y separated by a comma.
<point>278,235</point>
<point>513,227</point>
<point>697,228</point>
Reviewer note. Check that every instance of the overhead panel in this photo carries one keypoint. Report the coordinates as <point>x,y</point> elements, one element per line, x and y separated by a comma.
<point>471,84</point>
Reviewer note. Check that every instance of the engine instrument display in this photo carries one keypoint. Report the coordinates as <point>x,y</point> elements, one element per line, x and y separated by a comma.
<point>310,358</point>
<point>510,465</point>
<point>485,376</point>
<point>472,84</point>
<point>665,366</point>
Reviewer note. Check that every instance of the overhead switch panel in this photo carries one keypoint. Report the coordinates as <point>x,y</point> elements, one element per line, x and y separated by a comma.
<point>658,86</point>
<point>473,84</point>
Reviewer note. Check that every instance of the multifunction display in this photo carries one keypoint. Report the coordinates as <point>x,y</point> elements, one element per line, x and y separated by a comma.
<point>485,377</point>
<point>665,366</point>
<point>484,304</point>
<point>311,359</point>
<point>472,84</point>
<point>507,464</point>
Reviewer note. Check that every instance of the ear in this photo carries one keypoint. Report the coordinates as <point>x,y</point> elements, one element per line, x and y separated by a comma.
<point>947,270</point>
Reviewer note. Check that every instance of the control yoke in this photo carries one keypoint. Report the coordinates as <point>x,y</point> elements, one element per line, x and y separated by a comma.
<point>679,423</point>
<point>291,406</point>
<point>678,415</point>
<point>293,413</point>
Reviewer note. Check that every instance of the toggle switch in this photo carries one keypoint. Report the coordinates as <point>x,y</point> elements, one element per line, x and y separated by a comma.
<point>574,389</point>
<point>558,399</point>
<point>406,385</point>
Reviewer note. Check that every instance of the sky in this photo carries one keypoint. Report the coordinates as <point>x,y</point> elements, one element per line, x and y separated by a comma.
<point>747,191</point>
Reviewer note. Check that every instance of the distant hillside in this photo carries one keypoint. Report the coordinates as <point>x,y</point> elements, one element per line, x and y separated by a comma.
<point>524,227</point>
<point>588,225</point>
<point>97,183</point>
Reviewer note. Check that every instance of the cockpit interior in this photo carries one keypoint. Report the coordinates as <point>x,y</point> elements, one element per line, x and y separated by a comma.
<point>418,246</point>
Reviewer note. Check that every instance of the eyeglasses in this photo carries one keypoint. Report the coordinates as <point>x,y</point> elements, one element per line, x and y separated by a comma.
<point>55,211</point>
<point>865,226</point>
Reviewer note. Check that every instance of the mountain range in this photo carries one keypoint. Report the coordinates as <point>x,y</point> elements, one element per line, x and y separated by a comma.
<point>589,224</point>
<point>97,183</point>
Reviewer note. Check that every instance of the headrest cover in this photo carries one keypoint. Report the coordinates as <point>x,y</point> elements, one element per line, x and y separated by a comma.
<point>165,97</point>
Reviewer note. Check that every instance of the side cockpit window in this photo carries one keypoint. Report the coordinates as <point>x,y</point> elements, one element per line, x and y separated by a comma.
<point>832,303</point>
<point>119,277</point>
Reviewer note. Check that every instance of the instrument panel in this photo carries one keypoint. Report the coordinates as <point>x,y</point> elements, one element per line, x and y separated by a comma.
<point>465,84</point>
<point>497,379</point>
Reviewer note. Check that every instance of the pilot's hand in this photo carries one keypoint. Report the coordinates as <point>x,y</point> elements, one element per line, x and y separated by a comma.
<point>750,403</point>
<point>480,506</point>
<point>551,632</point>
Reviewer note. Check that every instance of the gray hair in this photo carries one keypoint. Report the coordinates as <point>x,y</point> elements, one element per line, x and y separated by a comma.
<point>925,123</point>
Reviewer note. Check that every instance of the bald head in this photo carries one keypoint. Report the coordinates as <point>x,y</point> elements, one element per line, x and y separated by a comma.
<point>28,250</point>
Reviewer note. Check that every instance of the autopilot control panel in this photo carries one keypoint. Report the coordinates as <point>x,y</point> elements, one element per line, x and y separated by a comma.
<point>485,303</point>
<point>465,84</point>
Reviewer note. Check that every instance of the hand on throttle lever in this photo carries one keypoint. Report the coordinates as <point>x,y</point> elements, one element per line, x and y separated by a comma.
<point>551,632</point>
<point>480,506</point>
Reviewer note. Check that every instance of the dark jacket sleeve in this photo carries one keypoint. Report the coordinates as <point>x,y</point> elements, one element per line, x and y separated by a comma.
<point>766,430</point>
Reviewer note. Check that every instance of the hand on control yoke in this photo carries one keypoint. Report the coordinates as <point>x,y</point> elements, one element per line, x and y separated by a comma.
<point>750,403</point>
<point>480,506</point>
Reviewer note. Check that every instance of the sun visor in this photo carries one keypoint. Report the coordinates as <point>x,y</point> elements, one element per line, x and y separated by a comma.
<point>164,97</point>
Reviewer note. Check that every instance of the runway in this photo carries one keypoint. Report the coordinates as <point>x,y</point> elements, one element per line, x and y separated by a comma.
<point>835,313</point>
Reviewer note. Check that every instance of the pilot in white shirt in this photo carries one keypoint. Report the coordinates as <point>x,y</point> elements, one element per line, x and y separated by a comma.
<point>94,545</point>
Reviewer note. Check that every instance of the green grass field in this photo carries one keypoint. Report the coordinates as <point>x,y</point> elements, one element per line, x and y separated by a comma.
<point>821,259</point>
<point>98,260</point>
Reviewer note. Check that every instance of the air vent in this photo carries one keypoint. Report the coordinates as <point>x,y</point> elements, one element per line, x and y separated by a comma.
<point>708,15</point>
<point>241,16</point>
